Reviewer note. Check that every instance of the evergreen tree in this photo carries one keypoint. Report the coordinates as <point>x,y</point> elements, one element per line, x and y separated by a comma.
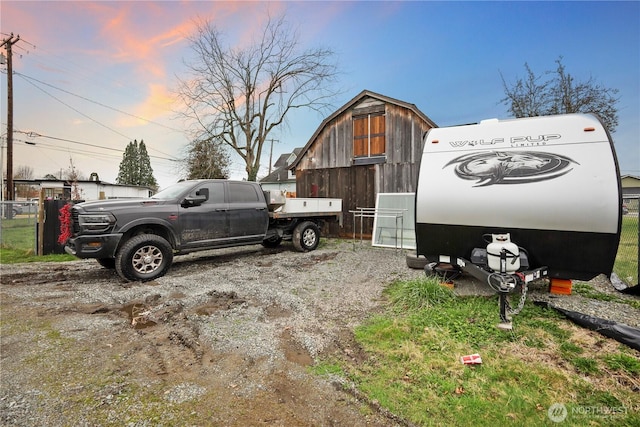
<point>146,172</point>
<point>135,167</point>
<point>127,173</point>
<point>207,159</point>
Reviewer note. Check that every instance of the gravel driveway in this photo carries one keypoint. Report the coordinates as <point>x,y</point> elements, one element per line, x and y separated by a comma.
<point>225,338</point>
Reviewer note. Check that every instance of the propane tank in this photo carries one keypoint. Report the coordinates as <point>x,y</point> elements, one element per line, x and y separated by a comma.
<point>502,255</point>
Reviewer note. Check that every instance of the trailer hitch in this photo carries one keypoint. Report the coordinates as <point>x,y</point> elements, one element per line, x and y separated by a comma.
<point>503,283</point>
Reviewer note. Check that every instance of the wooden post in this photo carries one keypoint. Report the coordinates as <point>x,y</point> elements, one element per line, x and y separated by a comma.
<point>41,222</point>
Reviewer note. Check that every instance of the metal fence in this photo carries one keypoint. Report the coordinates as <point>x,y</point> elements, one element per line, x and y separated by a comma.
<point>626,267</point>
<point>18,225</point>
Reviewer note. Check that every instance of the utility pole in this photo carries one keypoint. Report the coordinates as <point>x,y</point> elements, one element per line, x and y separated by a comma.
<point>9,42</point>
<point>271,154</point>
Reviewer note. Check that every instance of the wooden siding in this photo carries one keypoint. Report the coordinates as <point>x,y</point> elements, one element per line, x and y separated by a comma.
<point>333,147</point>
<point>397,177</point>
<point>404,135</point>
<point>354,185</point>
<point>327,170</point>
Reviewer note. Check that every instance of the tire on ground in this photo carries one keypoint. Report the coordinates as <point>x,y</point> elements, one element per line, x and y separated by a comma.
<point>306,236</point>
<point>416,261</point>
<point>144,257</point>
<point>273,242</point>
<point>108,263</point>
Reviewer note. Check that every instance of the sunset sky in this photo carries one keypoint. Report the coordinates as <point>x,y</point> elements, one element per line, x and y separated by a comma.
<point>89,77</point>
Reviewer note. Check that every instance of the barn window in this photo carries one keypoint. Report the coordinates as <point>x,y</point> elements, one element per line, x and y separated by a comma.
<point>369,138</point>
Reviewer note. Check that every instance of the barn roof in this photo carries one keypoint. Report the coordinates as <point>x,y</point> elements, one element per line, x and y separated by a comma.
<point>364,94</point>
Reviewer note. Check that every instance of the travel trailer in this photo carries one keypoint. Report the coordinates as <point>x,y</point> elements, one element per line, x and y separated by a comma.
<point>539,194</point>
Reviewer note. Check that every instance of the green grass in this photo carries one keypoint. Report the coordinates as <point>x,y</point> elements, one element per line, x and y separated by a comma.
<point>413,367</point>
<point>15,256</point>
<point>19,243</point>
<point>19,233</point>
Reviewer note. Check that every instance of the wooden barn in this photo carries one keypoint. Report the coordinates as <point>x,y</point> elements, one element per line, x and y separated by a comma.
<point>371,145</point>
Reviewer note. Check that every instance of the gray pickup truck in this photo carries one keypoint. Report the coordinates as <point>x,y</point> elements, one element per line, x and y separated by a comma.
<point>139,237</point>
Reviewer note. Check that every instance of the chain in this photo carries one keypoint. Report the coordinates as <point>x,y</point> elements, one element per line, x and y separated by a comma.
<point>523,299</point>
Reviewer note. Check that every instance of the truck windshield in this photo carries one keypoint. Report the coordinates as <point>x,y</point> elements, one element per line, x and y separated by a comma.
<point>173,191</point>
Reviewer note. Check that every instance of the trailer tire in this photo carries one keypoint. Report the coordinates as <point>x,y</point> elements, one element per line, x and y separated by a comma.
<point>306,236</point>
<point>144,257</point>
<point>416,261</point>
<point>273,242</point>
<point>108,263</point>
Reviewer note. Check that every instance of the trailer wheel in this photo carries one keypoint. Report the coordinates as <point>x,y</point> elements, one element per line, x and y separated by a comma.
<point>108,263</point>
<point>144,257</point>
<point>306,236</point>
<point>273,242</point>
<point>416,261</point>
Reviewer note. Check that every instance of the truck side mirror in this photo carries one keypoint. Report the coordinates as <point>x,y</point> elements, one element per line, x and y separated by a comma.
<point>191,201</point>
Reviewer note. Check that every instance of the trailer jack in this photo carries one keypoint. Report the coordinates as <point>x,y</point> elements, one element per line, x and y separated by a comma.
<point>503,283</point>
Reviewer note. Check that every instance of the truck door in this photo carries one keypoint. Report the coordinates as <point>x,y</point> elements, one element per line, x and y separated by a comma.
<point>248,216</point>
<point>206,223</point>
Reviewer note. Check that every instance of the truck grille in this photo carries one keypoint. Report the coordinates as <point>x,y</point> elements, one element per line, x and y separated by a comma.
<point>75,228</point>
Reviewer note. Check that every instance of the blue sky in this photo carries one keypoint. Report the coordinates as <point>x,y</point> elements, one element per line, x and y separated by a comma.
<point>89,72</point>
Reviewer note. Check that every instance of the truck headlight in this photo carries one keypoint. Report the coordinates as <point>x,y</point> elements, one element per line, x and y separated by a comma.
<point>96,222</point>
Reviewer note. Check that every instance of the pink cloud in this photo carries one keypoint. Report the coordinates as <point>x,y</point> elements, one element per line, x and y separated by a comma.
<point>150,38</point>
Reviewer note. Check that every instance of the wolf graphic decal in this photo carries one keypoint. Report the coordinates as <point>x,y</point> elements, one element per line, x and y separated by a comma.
<point>510,167</point>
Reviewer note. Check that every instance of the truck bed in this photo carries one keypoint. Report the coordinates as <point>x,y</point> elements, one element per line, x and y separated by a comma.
<point>311,207</point>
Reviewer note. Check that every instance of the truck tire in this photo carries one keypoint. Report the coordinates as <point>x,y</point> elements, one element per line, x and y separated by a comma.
<point>306,236</point>
<point>273,242</point>
<point>144,257</point>
<point>108,263</point>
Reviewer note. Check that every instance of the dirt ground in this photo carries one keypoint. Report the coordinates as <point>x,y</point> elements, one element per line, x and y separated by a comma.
<point>226,338</point>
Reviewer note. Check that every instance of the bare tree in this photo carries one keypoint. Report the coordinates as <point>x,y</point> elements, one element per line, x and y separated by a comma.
<point>528,97</point>
<point>560,94</point>
<point>23,172</point>
<point>239,95</point>
<point>24,190</point>
<point>73,175</point>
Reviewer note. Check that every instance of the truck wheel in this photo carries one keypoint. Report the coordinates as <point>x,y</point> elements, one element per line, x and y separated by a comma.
<point>306,236</point>
<point>144,257</point>
<point>108,263</point>
<point>274,242</point>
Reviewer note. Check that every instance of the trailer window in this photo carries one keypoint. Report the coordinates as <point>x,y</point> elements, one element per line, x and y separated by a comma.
<point>369,135</point>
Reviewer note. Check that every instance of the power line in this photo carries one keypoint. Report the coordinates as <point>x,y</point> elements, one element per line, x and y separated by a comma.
<point>74,109</point>
<point>54,147</point>
<point>65,65</point>
<point>35,135</point>
<point>32,80</point>
<point>98,103</point>
<point>27,79</point>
